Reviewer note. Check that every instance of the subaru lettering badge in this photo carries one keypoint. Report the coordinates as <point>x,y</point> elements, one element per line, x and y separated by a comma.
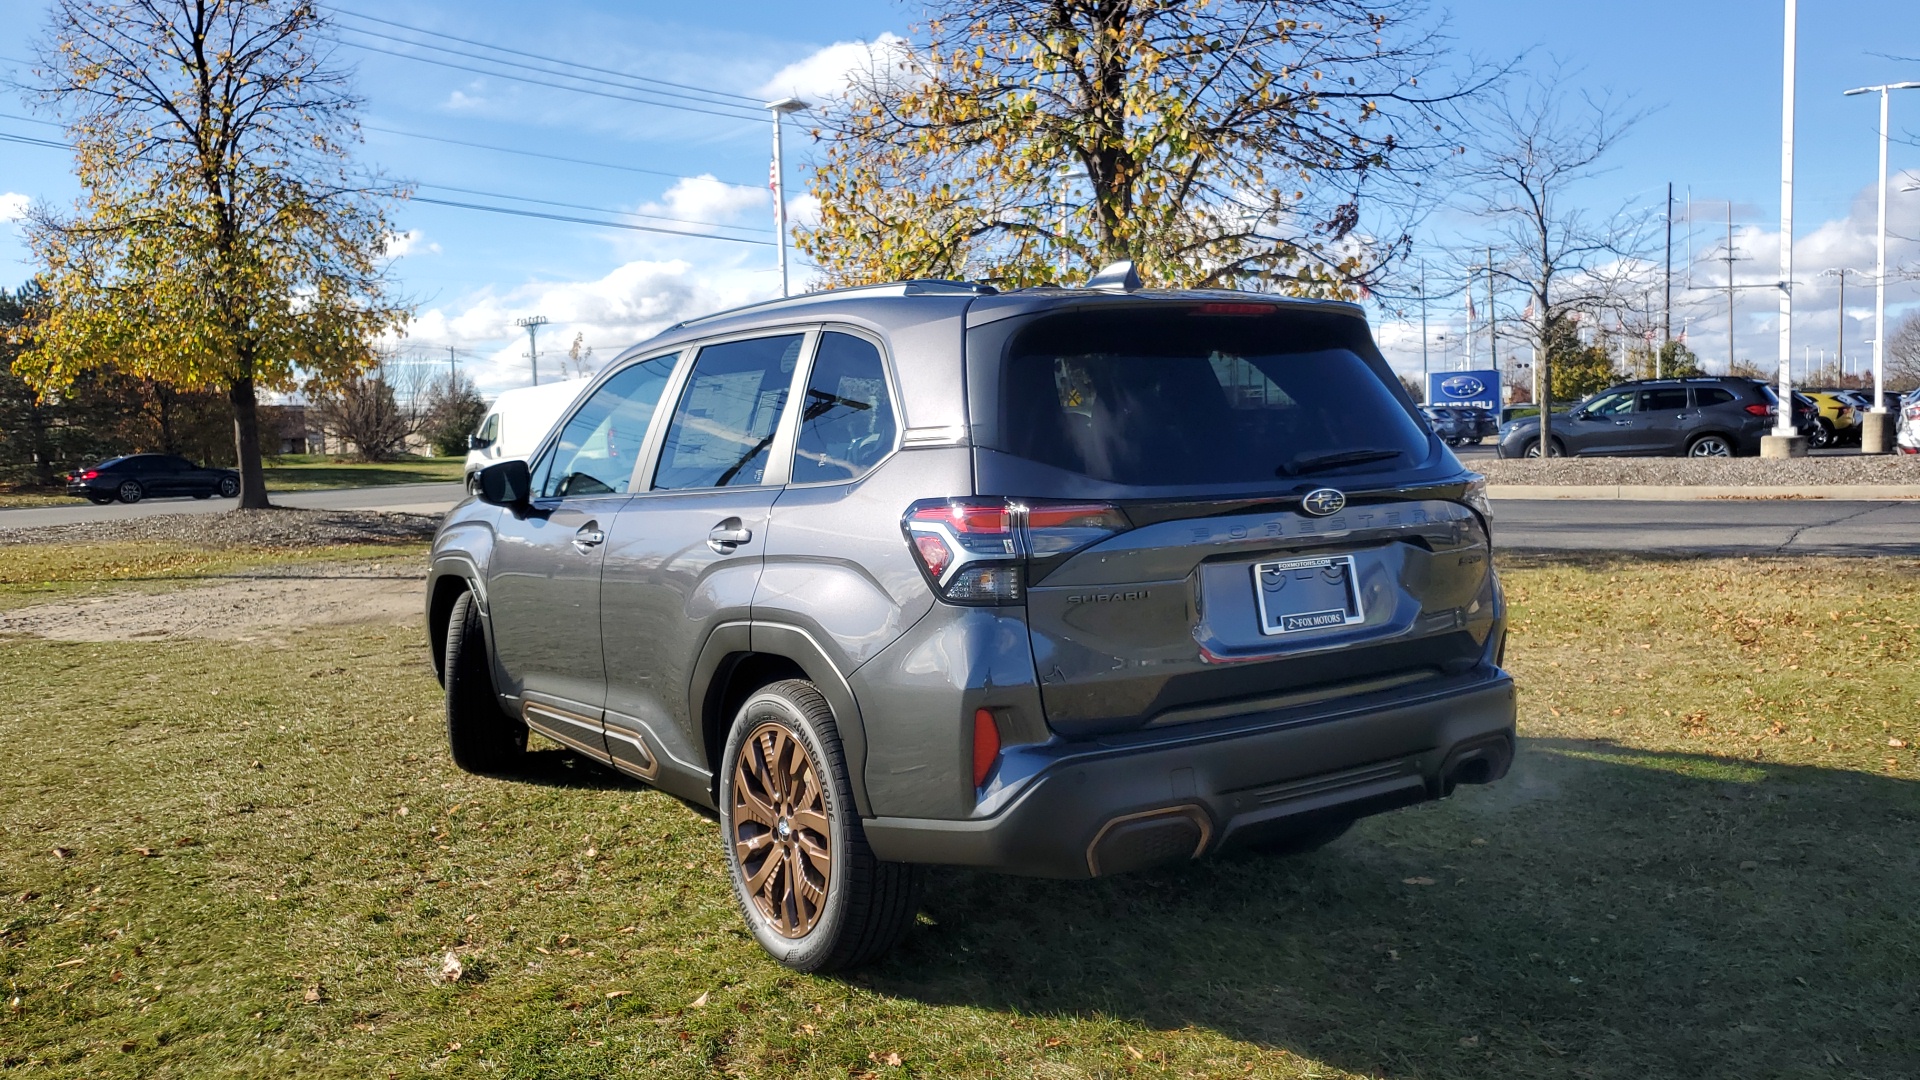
<point>1323,501</point>
<point>1463,386</point>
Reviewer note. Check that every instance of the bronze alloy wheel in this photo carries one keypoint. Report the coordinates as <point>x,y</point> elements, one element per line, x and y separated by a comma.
<point>781,833</point>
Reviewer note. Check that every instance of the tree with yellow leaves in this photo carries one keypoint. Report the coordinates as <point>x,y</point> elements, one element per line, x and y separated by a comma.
<point>1215,143</point>
<point>222,239</point>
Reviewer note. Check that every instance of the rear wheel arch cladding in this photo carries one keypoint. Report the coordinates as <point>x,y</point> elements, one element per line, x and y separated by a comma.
<point>788,653</point>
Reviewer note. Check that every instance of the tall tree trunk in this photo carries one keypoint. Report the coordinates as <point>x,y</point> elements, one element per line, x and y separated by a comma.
<point>246,445</point>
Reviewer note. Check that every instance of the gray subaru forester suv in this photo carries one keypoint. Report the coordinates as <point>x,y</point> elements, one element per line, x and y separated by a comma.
<point>1065,582</point>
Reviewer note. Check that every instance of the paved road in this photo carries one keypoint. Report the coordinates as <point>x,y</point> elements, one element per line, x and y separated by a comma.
<point>1736,527</point>
<point>411,498</point>
<point>1731,527</point>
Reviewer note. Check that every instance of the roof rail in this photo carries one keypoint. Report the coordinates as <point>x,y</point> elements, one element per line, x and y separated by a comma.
<point>909,287</point>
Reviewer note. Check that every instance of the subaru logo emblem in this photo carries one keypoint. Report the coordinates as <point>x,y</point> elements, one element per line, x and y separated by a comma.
<point>1323,501</point>
<point>1463,386</point>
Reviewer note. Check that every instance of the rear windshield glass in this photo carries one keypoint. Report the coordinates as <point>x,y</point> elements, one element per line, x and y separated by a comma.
<point>1174,396</point>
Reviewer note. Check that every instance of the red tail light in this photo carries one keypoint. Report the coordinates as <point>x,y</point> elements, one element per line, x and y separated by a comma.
<point>986,745</point>
<point>1761,410</point>
<point>979,551</point>
<point>90,474</point>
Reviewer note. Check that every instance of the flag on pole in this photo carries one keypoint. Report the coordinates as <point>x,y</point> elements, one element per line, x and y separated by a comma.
<point>1471,314</point>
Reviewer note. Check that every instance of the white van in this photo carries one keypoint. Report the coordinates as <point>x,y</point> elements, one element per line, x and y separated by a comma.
<point>517,422</point>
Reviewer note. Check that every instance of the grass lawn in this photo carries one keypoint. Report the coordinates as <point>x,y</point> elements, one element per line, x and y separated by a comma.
<point>38,573</point>
<point>300,472</point>
<point>315,472</point>
<point>218,859</point>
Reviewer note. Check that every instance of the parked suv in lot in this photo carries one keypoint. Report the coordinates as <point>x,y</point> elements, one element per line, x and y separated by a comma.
<point>1700,417</point>
<point>1063,582</point>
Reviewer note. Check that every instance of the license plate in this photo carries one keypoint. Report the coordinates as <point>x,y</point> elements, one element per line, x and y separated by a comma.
<point>1294,595</point>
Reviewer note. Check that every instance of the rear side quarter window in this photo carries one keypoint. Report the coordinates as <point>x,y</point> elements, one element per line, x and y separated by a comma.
<point>847,423</point>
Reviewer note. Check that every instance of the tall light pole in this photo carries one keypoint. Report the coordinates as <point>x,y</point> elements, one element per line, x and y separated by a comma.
<point>1786,440</point>
<point>533,323</point>
<point>1424,370</point>
<point>780,109</point>
<point>1876,427</point>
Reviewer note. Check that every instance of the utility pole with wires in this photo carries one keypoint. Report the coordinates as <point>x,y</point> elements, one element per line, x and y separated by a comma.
<point>453,368</point>
<point>1840,344</point>
<point>533,323</point>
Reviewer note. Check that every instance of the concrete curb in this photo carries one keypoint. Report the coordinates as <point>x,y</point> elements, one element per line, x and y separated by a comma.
<point>1685,492</point>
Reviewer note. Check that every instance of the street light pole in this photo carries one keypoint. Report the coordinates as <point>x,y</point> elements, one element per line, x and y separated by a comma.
<point>1786,440</point>
<point>1874,429</point>
<point>780,109</point>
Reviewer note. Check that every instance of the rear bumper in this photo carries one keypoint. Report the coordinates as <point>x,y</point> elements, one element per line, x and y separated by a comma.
<point>1096,807</point>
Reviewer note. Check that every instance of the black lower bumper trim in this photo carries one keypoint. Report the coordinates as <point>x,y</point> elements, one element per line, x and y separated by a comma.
<point>1215,791</point>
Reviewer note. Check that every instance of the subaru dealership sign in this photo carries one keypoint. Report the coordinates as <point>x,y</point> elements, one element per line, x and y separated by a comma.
<point>1478,389</point>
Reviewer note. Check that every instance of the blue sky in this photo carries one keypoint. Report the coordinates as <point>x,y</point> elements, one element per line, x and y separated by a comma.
<point>1710,69</point>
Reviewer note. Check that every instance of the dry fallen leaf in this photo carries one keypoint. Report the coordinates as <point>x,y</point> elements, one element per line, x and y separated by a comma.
<point>1135,1054</point>
<point>314,994</point>
<point>62,853</point>
<point>77,961</point>
<point>1471,1040</point>
<point>891,1057</point>
<point>611,994</point>
<point>144,852</point>
<point>699,1002</point>
<point>1416,881</point>
<point>1896,742</point>
<point>451,968</point>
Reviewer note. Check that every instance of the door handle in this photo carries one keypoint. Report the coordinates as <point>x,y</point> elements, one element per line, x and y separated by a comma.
<point>1623,423</point>
<point>727,536</point>
<point>588,538</point>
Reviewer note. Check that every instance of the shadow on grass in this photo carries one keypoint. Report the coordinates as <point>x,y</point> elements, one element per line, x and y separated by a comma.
<point>1601,912</point>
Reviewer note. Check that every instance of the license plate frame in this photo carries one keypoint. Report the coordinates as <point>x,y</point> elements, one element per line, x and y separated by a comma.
<point>1329,601</point>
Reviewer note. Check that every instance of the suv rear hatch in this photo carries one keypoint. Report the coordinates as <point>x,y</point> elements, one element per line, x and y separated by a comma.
<point>1223,508</point>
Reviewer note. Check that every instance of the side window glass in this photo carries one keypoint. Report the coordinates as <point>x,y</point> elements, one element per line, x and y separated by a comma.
<point>722,432</point>
<point>847,425</point>
<point>1612,404</point>
<point>1709,396</point>
<point>1667,400</point>
<point>600,445</point>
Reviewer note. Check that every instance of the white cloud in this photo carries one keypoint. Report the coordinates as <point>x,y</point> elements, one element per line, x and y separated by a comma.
<point>409,242</point>
<point>629,304</point>
<point>829,72</point>
<point>13,206</point>
<point>460,101</point>
<point>705,199</point>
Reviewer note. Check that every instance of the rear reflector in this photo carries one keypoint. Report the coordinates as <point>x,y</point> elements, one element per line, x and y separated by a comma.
<point>986,745</point>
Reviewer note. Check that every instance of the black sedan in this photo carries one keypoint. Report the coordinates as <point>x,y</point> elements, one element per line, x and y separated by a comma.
<point>146,476</point>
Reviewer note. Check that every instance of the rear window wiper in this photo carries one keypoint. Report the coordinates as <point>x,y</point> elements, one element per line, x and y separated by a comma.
<point>1315,462</point>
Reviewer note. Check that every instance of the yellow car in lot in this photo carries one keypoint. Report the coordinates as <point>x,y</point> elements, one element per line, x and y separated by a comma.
<point>1837,419</point>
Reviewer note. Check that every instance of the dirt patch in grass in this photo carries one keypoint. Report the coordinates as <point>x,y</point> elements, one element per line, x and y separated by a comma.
<point>245,859</point>
<point>242,605</point>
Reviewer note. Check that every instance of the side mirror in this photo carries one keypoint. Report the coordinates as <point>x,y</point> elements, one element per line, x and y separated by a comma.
<point>477,442</point>
<point>505,483</point>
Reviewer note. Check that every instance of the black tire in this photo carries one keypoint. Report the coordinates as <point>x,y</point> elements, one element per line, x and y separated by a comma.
<point>1820,434</point>
<point>99,500</point>
<point>483,738</point>
<point>867,905</point>
<point>130,491</point>
<point>1301,841</point>
<point>229,487</point>
<point>1532,449</point>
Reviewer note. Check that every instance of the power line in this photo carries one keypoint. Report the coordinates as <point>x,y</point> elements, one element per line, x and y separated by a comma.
<point>542,82</point>
<point>589,221</point>
<point>577,206</point>
<point>541,70</point>
<point>755,102</point>
<point>537,154</point>
<point>29,140</point>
